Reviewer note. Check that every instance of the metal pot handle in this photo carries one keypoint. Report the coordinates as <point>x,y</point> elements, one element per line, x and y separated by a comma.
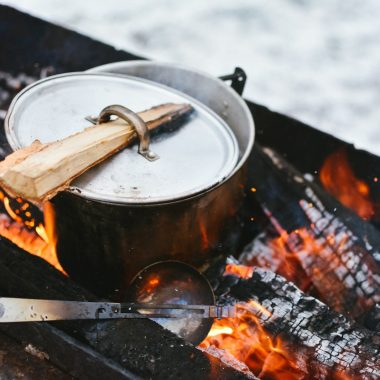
<point>136,121</point>
<point>237,78</point>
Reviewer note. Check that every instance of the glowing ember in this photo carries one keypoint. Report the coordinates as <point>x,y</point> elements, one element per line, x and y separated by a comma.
<point>321,261</point>
<point>340,181</point>
<point>275,254</point>
<point>242,271</point>
<point>267,356</point>
<point>39,239</point>
<point>246,339</point>
<point>219,330</point>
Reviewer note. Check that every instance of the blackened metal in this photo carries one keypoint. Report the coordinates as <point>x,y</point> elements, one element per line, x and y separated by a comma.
<point>175,283</point>
<point>120,240</point>
<point>238,80</point>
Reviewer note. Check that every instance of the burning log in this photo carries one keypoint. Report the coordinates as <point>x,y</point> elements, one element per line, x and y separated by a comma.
<point>282,333</point>
<point>39,171</point>
<point>310,149</point>
<point>317,238</point>
<point>339,179</point>
<point>140,346</point>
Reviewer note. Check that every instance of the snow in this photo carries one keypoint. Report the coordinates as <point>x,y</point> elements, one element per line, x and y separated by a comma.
<point>318,61</point>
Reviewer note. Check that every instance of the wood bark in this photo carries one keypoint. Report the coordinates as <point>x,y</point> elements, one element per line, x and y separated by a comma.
<point>39,171</point>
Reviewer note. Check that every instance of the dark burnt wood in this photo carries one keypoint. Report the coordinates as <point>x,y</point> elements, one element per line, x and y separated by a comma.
<point>76,358</point>
<point>306,147</point>
<point>325,344</point>
<point>333,247</point>
<point>18,362</point>
<point>141,347</point>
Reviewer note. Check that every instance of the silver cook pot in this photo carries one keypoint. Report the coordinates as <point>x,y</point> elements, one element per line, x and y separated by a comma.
<point>124,215</point>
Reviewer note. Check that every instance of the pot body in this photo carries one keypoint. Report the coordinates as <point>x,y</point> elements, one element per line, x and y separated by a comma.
<point>103,245</point>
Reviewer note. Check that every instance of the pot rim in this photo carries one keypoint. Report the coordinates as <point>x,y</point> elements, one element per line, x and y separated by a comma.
<point>232,92</point>
<point>110,67</point>
<point>103,70</point>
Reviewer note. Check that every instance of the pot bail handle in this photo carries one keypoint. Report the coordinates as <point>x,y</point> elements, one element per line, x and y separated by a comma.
<point>136,122</point>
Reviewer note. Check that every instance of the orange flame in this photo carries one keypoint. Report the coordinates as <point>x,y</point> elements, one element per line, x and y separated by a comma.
<point>245,338</point>
<point>242,271</point>
<point>151,285</point>
<point>255,349</point>
<point>321,262</point>
<point>340,181</point>
<point>38,240</point>
<point>276,255</point>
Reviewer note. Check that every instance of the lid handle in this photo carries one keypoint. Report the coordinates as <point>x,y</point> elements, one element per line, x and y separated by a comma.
<point>136,121</point>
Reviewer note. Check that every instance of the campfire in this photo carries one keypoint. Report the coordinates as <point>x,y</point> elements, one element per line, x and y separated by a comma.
<point>305,282</point>
<point>339,180</point>
<point>316,258</point>
<point>37,238</point>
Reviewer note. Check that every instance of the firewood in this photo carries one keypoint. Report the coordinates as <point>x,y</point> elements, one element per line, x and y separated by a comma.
<point>140,346</point>
<point>334,249</point>
<point>307,148</point>
<point>25,362</point>
<point>39,171</point>
<point>329,345</point>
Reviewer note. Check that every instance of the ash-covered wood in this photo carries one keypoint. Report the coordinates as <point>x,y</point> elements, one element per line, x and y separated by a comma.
<point>318,239</point>
<point>18,362</point>
<point>329,344</point>
<point>141,346</point>
<point>229,359</point>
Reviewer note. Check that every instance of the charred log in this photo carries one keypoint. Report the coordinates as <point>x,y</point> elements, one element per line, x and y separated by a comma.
<point>319,239</point>
<point>306,147</point>
<point>323,343</point>
<point>76,358</point>
<point>25,363</point>
<point>140,346</point>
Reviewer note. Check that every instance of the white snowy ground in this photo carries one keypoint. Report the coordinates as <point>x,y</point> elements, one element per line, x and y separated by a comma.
<point>318,61</point>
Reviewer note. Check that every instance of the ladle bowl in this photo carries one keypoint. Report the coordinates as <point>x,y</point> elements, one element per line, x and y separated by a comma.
<point>173,282</point>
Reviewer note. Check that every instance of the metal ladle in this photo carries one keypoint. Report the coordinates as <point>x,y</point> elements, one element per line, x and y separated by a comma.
<point>176,283</point>
<point>172,293</point>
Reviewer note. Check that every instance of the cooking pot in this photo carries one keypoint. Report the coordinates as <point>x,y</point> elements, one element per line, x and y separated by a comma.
<point>127,212</point>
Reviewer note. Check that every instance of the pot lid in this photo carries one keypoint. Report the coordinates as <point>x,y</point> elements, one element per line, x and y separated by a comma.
<point>199,155</point>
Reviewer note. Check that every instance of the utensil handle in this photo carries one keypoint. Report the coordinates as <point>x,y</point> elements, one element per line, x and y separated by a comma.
<point>136,121</point>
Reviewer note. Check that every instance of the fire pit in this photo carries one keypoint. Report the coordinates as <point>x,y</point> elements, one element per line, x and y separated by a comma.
<point>305,274</point>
